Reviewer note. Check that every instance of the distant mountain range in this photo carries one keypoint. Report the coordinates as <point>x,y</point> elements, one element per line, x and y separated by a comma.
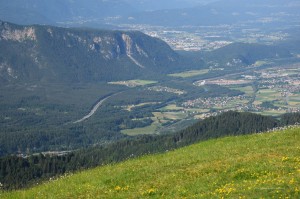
<point>53,11</point>
<point>223,12</point>
<point>150,5</point>
<point>168,12</point>
<point>81,11</point>
<point>46,53</point>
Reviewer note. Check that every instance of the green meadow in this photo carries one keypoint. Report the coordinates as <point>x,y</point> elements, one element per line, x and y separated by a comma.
<point>265,165</point>
<point>134,83</point>
<point>191,73</point>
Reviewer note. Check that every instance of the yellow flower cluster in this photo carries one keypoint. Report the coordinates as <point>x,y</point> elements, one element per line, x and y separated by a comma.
<point>226,189</point>
<point>150,191</point>
<point>284,159</point>
<point>118,188</point>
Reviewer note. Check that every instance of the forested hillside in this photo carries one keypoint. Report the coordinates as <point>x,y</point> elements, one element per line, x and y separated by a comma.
<point>17,172</point>
<point>245,54</point>
<point>252,166</point>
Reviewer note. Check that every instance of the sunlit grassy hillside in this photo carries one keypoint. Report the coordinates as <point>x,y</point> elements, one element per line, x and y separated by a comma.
<point>257,166</point>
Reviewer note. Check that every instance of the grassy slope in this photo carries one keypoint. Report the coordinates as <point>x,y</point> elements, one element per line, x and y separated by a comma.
<point>261,165</point>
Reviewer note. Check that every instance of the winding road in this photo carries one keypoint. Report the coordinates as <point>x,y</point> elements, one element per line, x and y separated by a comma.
<point>95,108</point>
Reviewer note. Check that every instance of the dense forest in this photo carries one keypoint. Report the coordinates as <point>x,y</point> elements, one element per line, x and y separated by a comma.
<point>34,121</point>
<point>18,172</point>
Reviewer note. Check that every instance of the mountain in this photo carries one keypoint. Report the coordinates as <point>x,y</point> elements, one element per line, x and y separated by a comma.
<point>150,5</point>
<point>46,53</point>
<point>223,12</point>
<point>253,166</point>
<point>81,11</point>
<point>167,13</point>
<point>247,53</point>
<point>51,12</point>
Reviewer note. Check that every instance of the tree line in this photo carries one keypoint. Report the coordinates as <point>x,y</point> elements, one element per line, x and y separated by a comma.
<point>19,172</point>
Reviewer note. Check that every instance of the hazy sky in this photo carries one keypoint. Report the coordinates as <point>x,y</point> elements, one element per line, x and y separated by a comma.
<point>165,4</point>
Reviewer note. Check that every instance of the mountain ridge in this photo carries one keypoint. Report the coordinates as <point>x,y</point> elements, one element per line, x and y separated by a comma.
<point>53,54</point>
<point>245,54</point>
<point>98,13</point>
<point>221,12</point>
<point>55,11</point>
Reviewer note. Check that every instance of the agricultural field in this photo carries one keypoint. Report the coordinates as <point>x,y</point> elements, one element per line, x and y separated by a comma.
<point>133,83</point>
<point>191,73</point>
<point>271,112</point>
<point>279,104</point>
<point>160,119</point>
<point>167,89</point>
<point>248,90</point>
<point>261,63</point>
<point>171,107</point>
<point>294,102</point>
<point>265,165</point>
<point>166,116</point>
<point>294,99</point>
<point>130,107</point>
<point>226,82</point>
<point>264,95</point>
<point>142,131</point>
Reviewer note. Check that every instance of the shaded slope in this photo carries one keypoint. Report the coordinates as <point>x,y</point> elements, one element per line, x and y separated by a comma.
<point>45,53</point>
<point>247,54</point>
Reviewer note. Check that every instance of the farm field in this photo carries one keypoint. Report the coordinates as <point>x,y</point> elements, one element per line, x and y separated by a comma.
<point>267,95</point>
<point>175,108</point>
<point>248,90</point>
<point>142,131</point>
<point>272,112</point>
<point>130,107</point>
<point>159,119</point>
<point>133,83</point>
<point>171,107</point>
<point>191,73</point>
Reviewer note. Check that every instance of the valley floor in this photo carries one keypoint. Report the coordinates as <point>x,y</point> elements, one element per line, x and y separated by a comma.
<point>265,165</point>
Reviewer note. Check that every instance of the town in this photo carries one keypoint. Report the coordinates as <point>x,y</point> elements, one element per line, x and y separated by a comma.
<point>207,38</point>
<point>271,91</point>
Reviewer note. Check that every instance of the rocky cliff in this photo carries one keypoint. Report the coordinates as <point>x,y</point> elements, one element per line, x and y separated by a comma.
<point>47,53</point>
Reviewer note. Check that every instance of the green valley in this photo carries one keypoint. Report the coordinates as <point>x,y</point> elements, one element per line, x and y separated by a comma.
<point>149,99</point>
<point>79,93</point>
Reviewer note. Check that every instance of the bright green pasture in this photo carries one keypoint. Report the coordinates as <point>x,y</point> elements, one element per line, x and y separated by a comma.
<point>190,73</point>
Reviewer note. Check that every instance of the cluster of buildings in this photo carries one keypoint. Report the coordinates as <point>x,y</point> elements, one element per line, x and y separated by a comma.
<point>211,102</point>
<point>166,89</point>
